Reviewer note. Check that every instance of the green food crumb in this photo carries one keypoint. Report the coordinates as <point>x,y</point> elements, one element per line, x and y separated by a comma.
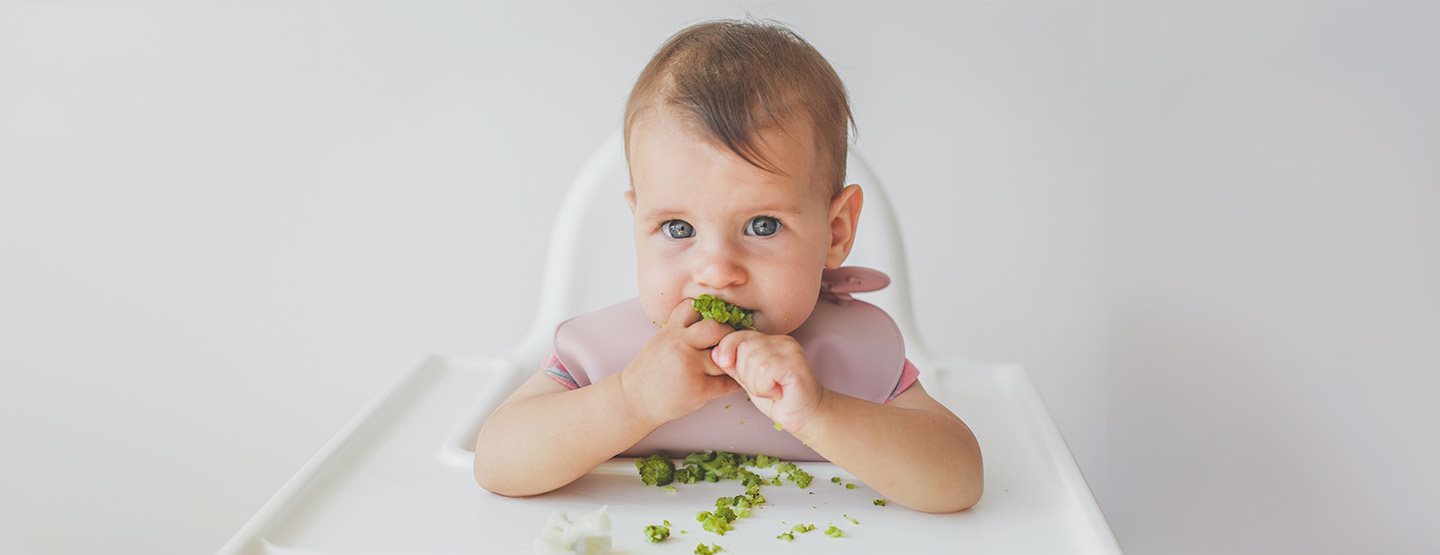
<point>670,489</point>
<point>835,480</point>
<point>656,470</point>
<point>657,534</point>
<point>849,486</point>
<point>787,536</point>
<point>727,405</point>
<point>851,519</point>
<point>665,522</point>
<point>801,478</point>
<point>711,307</point>
<point>778,427</point>
<point>711,549</point>
<point>742,420</point>
<point>880,502</point>
<point>834,532</point>
<point>803,528</point>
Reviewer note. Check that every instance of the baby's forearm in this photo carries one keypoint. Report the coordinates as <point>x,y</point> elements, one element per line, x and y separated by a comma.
<point>921,459</point>
<point>537,444</point>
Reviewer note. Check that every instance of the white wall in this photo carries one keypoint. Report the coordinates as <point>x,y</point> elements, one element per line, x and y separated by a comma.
<point>1273,228</point>
<point>1208,230</point>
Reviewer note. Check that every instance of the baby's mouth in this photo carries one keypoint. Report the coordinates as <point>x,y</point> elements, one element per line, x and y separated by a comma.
<point>714,308</point>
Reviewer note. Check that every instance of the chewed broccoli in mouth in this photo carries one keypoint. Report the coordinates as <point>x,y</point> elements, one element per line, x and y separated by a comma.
<point>711,307</point>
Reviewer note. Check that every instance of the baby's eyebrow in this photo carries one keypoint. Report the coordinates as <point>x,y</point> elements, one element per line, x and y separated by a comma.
<point>668,213</point>
<point>776,209</point>
<point>660,213</point>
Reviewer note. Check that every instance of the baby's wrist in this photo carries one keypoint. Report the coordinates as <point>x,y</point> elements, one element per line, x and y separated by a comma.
<point>803,428</point>
<point>634,411</point>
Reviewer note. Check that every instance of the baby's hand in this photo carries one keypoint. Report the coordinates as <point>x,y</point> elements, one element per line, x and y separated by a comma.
<point>773,369</point>
<point>673,376</point>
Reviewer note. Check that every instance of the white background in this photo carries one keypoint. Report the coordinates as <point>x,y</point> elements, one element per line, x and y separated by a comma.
<point>1209,230</point>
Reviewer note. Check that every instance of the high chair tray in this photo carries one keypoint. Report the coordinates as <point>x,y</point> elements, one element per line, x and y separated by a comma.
<point>398,480</point>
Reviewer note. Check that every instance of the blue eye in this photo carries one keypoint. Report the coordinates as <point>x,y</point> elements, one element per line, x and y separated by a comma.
<point>763,226</point>
<point>677,229</point>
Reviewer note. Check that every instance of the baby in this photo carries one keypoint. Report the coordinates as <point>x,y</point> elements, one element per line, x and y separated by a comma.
<point>735,135</point>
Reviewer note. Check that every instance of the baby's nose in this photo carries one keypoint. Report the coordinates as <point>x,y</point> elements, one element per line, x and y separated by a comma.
<point>718,269</point>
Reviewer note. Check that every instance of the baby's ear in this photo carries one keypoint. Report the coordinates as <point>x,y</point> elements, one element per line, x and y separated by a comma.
<point>844,221</point>
<point>630,199</point>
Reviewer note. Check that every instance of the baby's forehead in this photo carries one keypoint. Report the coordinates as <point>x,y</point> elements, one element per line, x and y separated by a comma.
<point>670,155</point>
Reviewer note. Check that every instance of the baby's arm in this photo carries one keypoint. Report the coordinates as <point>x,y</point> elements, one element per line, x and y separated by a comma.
<point>913,450</point>
<point>545,436</point>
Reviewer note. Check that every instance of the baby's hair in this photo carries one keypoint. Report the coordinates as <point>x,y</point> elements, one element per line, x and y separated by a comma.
<point>731,78</point>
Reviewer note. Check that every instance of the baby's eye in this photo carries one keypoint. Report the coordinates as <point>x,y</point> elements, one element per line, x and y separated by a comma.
<point>763,226</point>
<point>677,229</point>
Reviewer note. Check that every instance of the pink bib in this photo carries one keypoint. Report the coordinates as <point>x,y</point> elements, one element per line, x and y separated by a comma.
<point>854,348</point>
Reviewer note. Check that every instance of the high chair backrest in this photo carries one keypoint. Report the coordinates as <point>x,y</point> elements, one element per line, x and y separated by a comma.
<point>591,259</point>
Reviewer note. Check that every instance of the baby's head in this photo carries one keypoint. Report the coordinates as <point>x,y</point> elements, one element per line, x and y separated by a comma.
<point>736,135</point>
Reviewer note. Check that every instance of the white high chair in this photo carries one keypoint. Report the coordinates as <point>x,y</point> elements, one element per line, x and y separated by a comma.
<point>398,478</point>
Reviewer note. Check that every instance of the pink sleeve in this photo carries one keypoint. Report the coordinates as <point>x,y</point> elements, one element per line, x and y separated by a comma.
<point>556,370</point>
<point>908,375</point>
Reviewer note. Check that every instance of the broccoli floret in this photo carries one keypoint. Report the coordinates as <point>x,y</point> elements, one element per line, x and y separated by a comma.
<point>803,528</point>
<point>880,502</point>
<point>834,532</point>
<point>787,536</point>
<point>717,522</point>
<point>713,466</point>
<point>656,533</point>
<point>711,549</point>
<point>711,307</point>
<point>656,470</point>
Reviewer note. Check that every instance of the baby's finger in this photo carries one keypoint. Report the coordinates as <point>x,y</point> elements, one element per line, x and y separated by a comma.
<point>706,334</point>
<point>762,372</point>
<point>683,314</point>
<point>724,353</point>
<point>747,349</point>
